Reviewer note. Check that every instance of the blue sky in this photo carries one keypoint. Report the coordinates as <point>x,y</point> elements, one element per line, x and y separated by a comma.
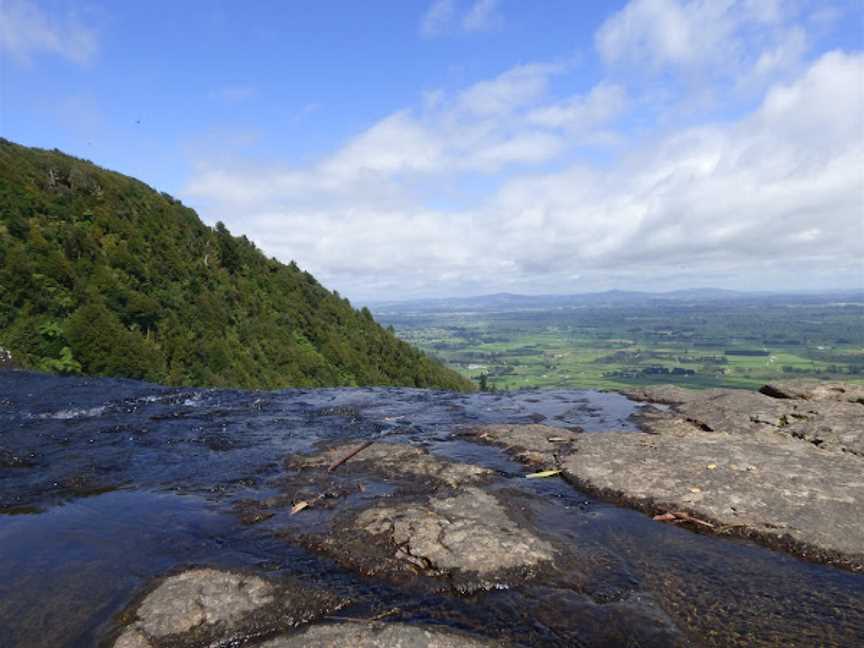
<point>445,147</point>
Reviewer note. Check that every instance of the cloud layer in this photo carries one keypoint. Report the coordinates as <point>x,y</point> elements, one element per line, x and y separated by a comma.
<point>506,185</point>
<point>26,30</point>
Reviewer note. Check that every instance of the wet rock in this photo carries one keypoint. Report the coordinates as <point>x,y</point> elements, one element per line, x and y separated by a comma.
<point>468,537</point>
<point>533,444</point>
<point>252,512</point>
<point>218,442</point>
<point>377,635</point>
<point>399,460</point>
<point>9,459</point>
<point>201,606</point>
<point>345,411</point>
<point>782,491</point>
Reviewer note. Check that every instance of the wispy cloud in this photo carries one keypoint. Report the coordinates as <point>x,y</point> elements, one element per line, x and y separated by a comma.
<point>28,30</point>
<point>235,93</point>
<point>452,16</point>
<point>482,16</point>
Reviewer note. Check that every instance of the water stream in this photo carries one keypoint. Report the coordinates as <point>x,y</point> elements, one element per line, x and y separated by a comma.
<point>107,484</point>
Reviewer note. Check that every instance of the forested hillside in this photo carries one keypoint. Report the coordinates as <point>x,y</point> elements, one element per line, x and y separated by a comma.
<point>100,274</point>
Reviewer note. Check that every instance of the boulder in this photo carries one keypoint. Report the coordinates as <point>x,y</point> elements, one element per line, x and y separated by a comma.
<point>200,606</point>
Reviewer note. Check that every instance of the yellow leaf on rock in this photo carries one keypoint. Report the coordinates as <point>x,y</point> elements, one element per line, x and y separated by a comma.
<point>543,473</point>
<point>712,466</point>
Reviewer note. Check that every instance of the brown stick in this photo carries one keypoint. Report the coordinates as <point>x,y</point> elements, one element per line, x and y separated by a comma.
<point>681,516</point>
<point>333,466</point>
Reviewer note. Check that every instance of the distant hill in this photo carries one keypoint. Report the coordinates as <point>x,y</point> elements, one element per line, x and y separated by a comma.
<point>100,274</point>
<point>507,302</point>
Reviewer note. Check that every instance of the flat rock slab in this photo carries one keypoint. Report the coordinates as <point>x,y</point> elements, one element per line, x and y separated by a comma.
<point>829,416</point>
<point>533,444</point>
<point>815,390</point>
<point>377,635</point>
<point>200,606</point>
<point>396,459</point>
<point>786,492</point>
<point>469,538</point>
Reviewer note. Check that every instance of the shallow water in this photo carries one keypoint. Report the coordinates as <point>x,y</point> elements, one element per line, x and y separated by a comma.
<point>108,484</point>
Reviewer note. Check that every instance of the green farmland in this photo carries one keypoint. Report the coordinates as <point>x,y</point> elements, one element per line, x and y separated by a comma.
<point>733,343</point>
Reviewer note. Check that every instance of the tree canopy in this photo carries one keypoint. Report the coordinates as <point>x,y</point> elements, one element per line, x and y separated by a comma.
<point>100,274</point>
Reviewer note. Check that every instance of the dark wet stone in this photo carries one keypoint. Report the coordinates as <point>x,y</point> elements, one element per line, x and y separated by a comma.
<point>252,511</point>
<point>207,606</point>
<point>218,442</point>
<point>396,459</point>
<point>345,411</point>
<point>9,459</point>
<point>378,635</point>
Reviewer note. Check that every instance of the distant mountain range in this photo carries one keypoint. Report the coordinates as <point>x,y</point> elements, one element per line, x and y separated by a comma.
<point>100,274</point>
<point>503,302</point>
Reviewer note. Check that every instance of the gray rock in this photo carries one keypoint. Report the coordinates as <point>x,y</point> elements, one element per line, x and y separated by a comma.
<point>826,421</point>
<point>377,635</point>
<point>833,425</point>
<point>469,532</point>
<point>815,390</point>
<point>397,459</point>
<point>534,444</point>
<point>203,606</point>
<point>132,639</point>
<point>668,394</point>
<point>782,491</point>
<point>201,596</point>
<point>734,411</point>
<point>468,541</point>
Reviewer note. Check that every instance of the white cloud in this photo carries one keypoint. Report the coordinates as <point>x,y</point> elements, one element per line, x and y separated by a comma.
<point>787,54</point>
<point>686,33</point>
<point>437,18</point>
<point>481,16</point>
<point>604,102</point>
<point>483,128</point>
<point>775,194</point>
<point>26,30</point>
<point>508,91</point>
<point>448,16</point>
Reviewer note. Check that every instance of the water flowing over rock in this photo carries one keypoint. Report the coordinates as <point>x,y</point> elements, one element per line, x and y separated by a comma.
<point>139,516</point>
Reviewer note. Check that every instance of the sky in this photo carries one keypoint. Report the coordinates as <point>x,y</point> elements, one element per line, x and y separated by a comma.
<point>400,148</point>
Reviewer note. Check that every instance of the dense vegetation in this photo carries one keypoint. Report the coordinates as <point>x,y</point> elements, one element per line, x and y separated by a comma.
<point>100,274</point>
<point>739,341</point>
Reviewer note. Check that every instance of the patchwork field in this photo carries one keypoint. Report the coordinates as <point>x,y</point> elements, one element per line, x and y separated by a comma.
<point>740,342</point>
